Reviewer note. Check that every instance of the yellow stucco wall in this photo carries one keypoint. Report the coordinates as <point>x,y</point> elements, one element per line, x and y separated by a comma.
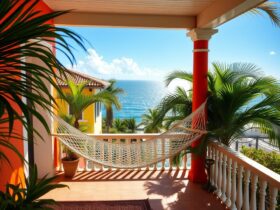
<point>88,114</point>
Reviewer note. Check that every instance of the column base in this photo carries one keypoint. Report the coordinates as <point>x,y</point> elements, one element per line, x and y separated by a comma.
<point>197,172</point>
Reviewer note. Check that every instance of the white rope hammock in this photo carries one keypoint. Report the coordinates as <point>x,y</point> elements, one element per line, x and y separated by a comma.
<point>135,154</point>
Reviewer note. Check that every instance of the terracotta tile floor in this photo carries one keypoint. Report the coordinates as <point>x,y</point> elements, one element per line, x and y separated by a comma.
<point>165,189</point>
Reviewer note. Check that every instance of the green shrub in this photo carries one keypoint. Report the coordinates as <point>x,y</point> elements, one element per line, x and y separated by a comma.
<point>270,160</point>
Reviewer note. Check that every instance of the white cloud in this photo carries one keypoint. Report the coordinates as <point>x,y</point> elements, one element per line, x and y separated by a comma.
<point>118,68</point>
<point>272,53</point>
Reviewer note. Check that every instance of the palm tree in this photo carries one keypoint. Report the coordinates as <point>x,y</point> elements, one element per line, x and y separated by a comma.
<point>119,125</point>
<point>78,101</point>
<point>269,8</point>
<point>175,106</point>
<point>22,34</point>
<point>114,91</point>
<point>130,124</point>
<point>239,97</point>
<point>151,121</point>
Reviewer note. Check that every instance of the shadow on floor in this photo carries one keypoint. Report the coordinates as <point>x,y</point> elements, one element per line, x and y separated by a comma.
<point>124,175</point>
<point>181,195</point>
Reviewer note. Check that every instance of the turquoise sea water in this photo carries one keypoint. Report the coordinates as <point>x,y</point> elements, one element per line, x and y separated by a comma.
<point>139,96</point>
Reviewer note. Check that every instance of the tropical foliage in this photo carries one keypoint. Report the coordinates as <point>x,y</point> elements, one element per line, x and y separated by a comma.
<point>25,36</point>
<point>23,33</point>
<point>271,9</point>
<point>152,121</point>
<point>79,101</point>
<point>131,125</point>
<point>239,96</point>
<point>270,160</point>
<point>114,91</point>
<point>19,198</point>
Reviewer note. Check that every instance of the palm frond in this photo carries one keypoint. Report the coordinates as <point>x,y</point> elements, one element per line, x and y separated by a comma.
<point>271,9</point>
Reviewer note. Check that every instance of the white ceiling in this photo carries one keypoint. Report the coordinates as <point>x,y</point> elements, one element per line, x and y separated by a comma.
<point>155,7</point>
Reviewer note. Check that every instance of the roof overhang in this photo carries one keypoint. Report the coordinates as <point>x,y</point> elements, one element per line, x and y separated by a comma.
<point>183,14</point>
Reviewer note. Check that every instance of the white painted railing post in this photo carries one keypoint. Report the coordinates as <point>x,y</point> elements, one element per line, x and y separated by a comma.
<point>212,169</point>
<point>224,183</point>
<point>110,152</point>
<point>228,201</point>
<point>220,175</point>
<point>138,152</point>
<point>155,154</point>
<point>262,195</point>
<point>233,187</point>
<point>185,160</point>
<point>239,188</point>
<point>163,150</point>
<point>217,170</point>
<point>253,201</point>
<point>246,203</point>
<point>118,152</point>
<point>273,197</point>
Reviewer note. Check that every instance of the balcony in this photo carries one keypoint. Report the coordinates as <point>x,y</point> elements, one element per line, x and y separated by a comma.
<point>240,182</point>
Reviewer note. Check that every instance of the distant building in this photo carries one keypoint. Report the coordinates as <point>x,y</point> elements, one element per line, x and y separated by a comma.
<point>92,116</point>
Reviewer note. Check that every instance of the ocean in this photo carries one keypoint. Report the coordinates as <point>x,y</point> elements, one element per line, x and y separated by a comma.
<point>139,96</point>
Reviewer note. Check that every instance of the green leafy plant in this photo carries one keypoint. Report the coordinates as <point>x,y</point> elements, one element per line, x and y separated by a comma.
<point>270,160</point>
<point>79,101</point>
<point>119,125</point>
<point>131,125</point>
<point>17,197</point>
<point>23,34</point>
<point>238,95</point>
<point>151,122</point>
<point>114,91</point>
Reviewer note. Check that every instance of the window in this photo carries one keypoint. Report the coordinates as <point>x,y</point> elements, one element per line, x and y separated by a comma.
<point>71,113</point>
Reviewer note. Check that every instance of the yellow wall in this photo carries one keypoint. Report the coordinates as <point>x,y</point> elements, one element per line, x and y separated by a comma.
<point>88,114</point>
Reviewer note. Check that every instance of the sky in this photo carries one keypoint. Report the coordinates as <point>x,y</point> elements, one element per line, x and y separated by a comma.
<point>150,54</point>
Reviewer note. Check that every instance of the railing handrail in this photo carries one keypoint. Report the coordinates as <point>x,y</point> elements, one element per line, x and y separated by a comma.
<point>256,168</point>
<point>125,135</point>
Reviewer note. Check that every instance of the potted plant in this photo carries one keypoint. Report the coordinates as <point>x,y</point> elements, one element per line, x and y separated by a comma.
<point>70,162</point>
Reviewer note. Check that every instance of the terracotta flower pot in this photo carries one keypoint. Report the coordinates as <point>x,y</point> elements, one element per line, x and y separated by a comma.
<point>70,167</point>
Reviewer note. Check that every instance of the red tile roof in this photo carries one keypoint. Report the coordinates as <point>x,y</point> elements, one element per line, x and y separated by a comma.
<point>80,78</point>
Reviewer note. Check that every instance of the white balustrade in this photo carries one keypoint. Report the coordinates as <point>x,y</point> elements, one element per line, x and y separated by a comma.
<point>130,139</point>
<point>235,176</point>
<point>243,177</point>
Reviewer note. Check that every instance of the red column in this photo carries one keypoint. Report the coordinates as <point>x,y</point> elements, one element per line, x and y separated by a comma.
<point>200,38</point>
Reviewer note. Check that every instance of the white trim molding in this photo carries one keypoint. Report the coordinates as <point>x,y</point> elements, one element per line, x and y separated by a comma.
<point>201,33</point>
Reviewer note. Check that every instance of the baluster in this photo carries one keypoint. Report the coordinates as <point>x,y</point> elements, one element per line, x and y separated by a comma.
<point>118,152</point>
<point>217,170</point>
<point>139,153</point>
<point>233,187</point>
<point>212,169</point>
<point>224,183</point>
<point>239,188</point>
<point>110,153</point>
<point>273,197</point>
<point>128,149</point>
<point>170,150</point>
<point>185,160</point>
<point>228,201</point>
<point>246,205</point>
<point>253,201</point>
<point>220,176</point>
<point>262,195</point>
<point>163,152</point>
<point>155,154</point>
<point>101,154</point>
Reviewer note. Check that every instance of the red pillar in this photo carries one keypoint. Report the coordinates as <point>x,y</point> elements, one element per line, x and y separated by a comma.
<point>200,38</point>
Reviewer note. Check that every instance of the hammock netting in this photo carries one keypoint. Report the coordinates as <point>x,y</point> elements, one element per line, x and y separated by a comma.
<point>135,154</point>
